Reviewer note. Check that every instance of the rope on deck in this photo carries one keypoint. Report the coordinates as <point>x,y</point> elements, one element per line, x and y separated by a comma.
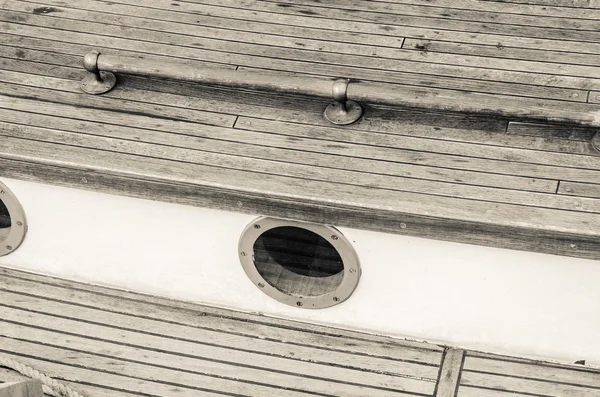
<point>49,385</point>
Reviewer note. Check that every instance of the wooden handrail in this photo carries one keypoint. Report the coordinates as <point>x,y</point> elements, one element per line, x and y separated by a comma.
<point>345,93</point>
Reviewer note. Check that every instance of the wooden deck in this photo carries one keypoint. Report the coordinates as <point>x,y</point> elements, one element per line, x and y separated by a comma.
<point>499,182</point>
<point>105,342</point>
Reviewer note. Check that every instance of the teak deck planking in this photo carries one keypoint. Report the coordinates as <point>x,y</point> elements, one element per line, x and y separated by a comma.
<point>493,181</point>
<point>105,342</point>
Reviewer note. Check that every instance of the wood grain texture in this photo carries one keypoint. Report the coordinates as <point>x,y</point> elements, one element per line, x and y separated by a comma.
<point>488,180</point>
<point>26,388</point>
<point>93,329</point>
<point>108,342</point>
<point>450,373</point>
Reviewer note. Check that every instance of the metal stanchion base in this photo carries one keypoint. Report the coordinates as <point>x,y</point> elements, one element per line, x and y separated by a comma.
<point>339,114</point>
<point>91,85</point>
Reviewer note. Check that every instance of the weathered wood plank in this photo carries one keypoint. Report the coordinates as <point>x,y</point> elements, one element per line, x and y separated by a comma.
<point>524,385</point>
<point>579,189</point>
<point>534,370</point>
<point>500,52</point>
<point>450,373</point>
<point>571,133</point>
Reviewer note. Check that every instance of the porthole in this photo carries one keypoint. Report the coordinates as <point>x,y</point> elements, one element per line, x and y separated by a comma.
<point>300,264</point>
<point>13,225</point>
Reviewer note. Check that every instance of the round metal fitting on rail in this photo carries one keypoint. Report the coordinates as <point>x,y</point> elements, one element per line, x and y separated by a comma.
<point>304,265</point>
<point>96,82</point>
<point>13,225</point>
<point>596,141</point>
<point>342,111</point>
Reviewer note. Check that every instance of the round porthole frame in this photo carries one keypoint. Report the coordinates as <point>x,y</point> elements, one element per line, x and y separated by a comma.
<point>18,221</point>
<point>342,245</point>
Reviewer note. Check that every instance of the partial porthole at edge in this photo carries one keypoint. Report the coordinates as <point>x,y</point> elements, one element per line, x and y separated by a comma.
<point>13,225</point>
<point>305,265</point>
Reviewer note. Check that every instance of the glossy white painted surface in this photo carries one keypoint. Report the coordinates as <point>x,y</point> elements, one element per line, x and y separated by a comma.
<point>475,297</point>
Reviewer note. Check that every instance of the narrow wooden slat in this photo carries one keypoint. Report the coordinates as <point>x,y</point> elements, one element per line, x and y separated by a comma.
<point>528,386</point>
<point>571,133</point>
<point>579,189</point>
<point>450,373</point>
<point>534,370</point>
<point>499,52</point>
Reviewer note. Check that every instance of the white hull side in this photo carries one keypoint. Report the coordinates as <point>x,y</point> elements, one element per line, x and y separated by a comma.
<point>475,297</point>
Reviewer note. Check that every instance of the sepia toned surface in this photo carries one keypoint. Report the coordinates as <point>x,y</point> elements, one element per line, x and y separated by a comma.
<point>104,342</point>
<point>489,181</point>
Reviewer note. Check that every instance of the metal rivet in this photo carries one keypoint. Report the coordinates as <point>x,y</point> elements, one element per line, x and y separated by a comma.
<point>261,285</point>
<point>575,95</point>
<point>403,226</point>
<point>243,254</point>
<point>568,189</point>
<point>573,245</point>
<point>299,303</point>
<point>336,299</point>
<point>9,247</point>
<point>19,223</point>
<point>334,237</point>
<point>352,270</point>
<point>257,226</point>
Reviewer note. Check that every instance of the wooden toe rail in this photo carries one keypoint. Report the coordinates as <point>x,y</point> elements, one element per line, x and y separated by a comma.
<point>344,92</point>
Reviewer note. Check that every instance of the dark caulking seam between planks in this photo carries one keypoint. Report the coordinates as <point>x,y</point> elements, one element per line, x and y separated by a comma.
<point>193,309</point>
<point>179,369</point>
<point>339,365</point>
<point>324,62</point>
